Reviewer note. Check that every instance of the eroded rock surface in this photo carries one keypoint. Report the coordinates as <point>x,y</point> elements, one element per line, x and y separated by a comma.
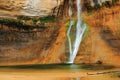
<point>29,7</point>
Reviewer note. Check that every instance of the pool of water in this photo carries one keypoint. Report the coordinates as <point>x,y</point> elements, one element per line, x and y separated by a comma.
<point>62,66</point>
<point>60,72</point>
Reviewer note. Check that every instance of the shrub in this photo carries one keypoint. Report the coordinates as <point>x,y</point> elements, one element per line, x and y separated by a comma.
<point>44,20</point>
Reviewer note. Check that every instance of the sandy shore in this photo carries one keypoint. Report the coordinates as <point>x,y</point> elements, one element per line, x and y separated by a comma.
<point>56,74</point>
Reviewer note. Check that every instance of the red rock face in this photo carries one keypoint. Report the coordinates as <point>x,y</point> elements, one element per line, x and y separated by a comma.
<point>20,45</point>
<point>32,39</point>
<point>102,41</point>
<point>24,43</point>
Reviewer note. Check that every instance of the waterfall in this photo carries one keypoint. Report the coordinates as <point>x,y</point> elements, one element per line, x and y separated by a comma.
<point>80,29</point>
<point>71,24</point>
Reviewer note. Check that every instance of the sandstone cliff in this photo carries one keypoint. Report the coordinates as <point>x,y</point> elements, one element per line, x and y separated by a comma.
<point>29,31</point>
<point>101,44</point>
<point>34,31</point>
<point>29,7</point>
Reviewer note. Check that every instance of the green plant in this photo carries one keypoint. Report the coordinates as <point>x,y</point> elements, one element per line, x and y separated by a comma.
<point>118,31</point>
<point>68,24</point>
<point>44,20</point>
<point>34,20</point>
<point>14,23</point>
<point>73,30</point>
<point>87,28</point>
<point>5,21</point>
<point>24,17</point>
<point>119,19</point>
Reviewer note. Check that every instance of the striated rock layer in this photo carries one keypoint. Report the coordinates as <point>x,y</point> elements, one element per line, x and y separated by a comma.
<point>34,31</point>
<point>101,43</point>
<point>30,32</point>
<point>29,7</point>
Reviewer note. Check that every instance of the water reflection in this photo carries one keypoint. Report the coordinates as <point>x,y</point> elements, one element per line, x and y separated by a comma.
<point>58,72</point>
<point>77,78</point>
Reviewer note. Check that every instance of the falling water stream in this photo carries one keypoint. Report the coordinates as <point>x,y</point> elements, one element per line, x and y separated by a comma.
<point>80,29</point>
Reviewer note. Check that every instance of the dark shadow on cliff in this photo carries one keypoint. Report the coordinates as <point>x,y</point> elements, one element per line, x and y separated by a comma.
<point>112,40</point>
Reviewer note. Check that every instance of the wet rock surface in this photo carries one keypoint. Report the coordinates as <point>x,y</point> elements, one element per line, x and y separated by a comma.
<point>14,42</point>
<point>111,39</point>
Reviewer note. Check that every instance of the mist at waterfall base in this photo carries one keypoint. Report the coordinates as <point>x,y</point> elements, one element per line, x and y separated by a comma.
<point>80,29</point>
